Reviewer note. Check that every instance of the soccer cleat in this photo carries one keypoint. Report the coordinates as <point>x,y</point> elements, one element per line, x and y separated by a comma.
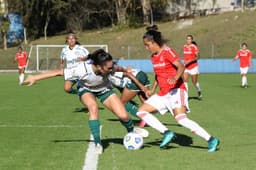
<point>168,135</point>
<point>98,149</point>
<point>199,94</point>
<point>142,124</point>
<point>213,144</point>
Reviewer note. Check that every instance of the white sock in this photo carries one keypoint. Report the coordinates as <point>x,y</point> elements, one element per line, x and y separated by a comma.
<point>22,77</point>
<point>152,121</point>
<point>198,87</point>
<point>193,126</point>
<point>243,80</point>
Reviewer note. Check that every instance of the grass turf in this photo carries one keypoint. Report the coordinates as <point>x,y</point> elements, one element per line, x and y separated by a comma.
<point>41,127</point>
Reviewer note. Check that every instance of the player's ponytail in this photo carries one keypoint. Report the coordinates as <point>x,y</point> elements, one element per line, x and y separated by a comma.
<point>156,36</point>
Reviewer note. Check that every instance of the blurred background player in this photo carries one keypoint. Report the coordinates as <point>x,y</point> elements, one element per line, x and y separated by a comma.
<point>21,57</point>
<point>191,55</point>
<point>245,57</point>
<point>172,95</point>
<point>71,56</point>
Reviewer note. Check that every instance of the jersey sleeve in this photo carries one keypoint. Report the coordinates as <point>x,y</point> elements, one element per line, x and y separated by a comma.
<point>172,56</point>
<point>84,51</point>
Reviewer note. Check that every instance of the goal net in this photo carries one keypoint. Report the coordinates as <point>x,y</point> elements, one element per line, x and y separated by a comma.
<point>47,57</point>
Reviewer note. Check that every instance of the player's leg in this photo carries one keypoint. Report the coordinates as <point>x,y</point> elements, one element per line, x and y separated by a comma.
<point>113,103</point>
<point>21,74</point>
<point>244,72</point>
<point>196,84</point>
<point>68,86</point>
<point>154,103</point>
<point>89,101</point>
<point>142,98</point>
<point>126,96</point>
<point>179,112</point>
<point>185,78</point>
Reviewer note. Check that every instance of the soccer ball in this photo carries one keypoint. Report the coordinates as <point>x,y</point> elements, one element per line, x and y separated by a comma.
<point>133,141</point>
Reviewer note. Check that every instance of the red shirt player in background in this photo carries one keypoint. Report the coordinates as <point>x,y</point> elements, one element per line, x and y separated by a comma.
<point>191,55</point>
<point>21,57</point>
<point>172,95</point>
<point>245,57</point>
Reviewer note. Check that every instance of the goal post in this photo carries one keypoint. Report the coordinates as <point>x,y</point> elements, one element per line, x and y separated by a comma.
<point>47,57</point>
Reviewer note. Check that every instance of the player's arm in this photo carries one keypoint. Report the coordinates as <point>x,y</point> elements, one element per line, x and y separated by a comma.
<point>151,91</point>
<point>180,69</point>
<point>31,79</point>
<point>136,81</point>
<point>84,55</point>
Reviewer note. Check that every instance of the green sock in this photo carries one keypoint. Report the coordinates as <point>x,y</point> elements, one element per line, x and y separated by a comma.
<point>131,108</point>
<point>72,91</point>
<point>95,130</point>
<point>128,125</point>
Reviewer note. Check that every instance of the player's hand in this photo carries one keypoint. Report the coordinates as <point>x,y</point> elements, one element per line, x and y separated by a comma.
<point>148,93</point>
<point>81,59</point>
<point>29,81</point>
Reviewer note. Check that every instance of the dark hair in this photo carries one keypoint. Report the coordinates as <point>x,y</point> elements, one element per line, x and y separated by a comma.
<point>244,44</point>
<point>152,27</point>
<point>100,57</point>
<point>19,48</point>
<point>74,35</point>
<point>155,36</point>
<point>193,42</point>
<point>191,36</point>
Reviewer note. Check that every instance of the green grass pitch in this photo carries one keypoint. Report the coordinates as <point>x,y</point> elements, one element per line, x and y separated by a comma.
<point>41,127</point>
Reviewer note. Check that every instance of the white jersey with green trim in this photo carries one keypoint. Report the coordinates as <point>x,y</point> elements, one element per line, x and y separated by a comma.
<point>119,80</point>
<point>71,55</point>
<point>89,80</point>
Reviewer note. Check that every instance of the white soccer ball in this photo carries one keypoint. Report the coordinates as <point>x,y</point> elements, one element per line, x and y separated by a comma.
<point>133,141</point>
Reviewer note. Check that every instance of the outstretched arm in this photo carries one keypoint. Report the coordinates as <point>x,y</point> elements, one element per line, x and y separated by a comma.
<point>31,79</point>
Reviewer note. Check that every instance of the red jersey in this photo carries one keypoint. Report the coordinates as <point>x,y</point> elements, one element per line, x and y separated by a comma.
<point>22,58</point>
<point>165,69</point>
<point>245,57</point>
<point>189,52</point>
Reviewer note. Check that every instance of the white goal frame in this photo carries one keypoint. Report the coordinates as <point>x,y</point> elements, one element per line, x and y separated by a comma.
<point>37,55</point>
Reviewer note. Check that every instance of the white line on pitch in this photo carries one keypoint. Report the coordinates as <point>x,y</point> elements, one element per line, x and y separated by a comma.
<point>39,126</point>
<point>91,157</point>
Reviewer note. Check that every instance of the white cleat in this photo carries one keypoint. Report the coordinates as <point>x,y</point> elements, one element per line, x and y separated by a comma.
<point>98,149</point>
<point>140,131</point>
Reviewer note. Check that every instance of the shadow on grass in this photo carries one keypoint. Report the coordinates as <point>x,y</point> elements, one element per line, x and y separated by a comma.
<point>194,98</point>
<point>84,109</point>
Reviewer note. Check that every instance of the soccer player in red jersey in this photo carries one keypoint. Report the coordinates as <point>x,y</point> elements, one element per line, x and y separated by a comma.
<point>21,57</point>
<point>172,95</point>
<point>191,55</point>
<point>245,56</point>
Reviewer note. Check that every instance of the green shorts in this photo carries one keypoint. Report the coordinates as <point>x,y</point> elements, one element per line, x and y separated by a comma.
<point>102,95</point>
<point>142,78</point>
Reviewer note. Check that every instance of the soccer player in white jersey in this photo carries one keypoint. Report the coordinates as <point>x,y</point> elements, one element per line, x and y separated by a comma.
<point>172,95</point>
<point>94,83</point>
<point>245,56</point>
<point>132,83</point>
<point>71,56</point>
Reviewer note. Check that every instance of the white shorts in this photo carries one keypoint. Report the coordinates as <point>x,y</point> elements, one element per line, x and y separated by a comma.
<point>174,99</point>
<point>75,73</point>
<point>21,67</point>
<point>193,71</point>
<point>244,70</point>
